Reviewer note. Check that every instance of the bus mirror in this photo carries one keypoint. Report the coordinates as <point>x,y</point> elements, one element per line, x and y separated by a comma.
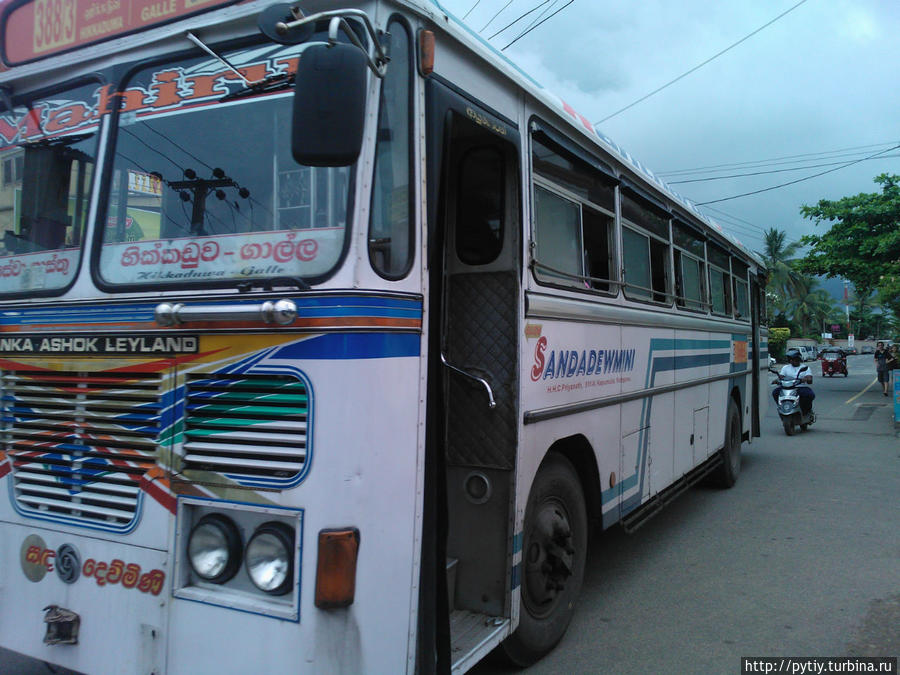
<point>273,23</point>
<point>329,105</point>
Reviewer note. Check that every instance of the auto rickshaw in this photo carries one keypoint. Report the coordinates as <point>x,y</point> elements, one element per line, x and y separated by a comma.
<point>834,362</point>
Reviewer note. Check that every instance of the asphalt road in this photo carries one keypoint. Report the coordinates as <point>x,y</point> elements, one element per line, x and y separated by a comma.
<point>800,558</point>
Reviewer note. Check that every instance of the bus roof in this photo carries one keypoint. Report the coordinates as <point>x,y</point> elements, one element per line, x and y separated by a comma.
<point>456,27</point>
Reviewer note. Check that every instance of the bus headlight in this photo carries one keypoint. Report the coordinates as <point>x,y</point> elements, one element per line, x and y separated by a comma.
<point>270,558</point>
<point>214,548</point>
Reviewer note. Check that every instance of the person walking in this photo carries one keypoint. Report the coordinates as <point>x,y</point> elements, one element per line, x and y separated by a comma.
<point>881,367</point>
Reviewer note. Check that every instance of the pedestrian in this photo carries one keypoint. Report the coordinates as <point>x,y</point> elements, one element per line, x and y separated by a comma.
<point>893,357</point>
<point>881,362</point>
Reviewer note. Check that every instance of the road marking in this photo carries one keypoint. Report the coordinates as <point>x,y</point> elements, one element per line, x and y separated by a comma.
<point>850,400</point>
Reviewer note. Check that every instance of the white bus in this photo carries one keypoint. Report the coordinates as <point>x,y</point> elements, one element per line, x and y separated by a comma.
<point>326,338</point>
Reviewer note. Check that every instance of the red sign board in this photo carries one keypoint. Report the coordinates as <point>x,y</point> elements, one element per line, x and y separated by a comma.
<point>40,28</point>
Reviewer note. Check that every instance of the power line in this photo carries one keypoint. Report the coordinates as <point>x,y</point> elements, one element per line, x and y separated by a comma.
<point>543,21</point>
<point>697,67</point>
<point>799,180</point>
<point>477,2</point>
<point>510,25</point>
<point>496,15</point>
<point>538,18</point>
<point>735,165</point>
<point>761,173</point>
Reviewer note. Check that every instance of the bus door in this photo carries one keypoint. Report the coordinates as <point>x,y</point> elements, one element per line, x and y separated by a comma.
<point>474,173</point>
<point>755,363</point>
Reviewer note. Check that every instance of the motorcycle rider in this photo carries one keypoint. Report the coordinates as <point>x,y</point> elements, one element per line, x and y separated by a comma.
<point>796,369</point>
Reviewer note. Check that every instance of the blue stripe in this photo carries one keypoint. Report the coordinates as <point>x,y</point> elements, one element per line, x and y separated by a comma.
<point>313,307</point>
<point>352,346</point>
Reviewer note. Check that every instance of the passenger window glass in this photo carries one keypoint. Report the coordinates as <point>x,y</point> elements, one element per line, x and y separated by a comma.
<point>741,299</point>
<point>391,232</point>
<point>689,285</point>
<point>573,174</point>
<point>718,290</point>
<point>558,238</point>
<point>638,212</point>
<point>598,228</point>
<point>636,259</point>
<point>479,220</point>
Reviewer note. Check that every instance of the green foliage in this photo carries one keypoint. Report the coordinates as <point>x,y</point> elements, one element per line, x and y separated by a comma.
<point>863,245</point>
<point>778,337</point>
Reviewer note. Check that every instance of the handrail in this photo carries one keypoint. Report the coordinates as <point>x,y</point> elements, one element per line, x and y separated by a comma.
<point>280,312</point>
<point>491,402</point>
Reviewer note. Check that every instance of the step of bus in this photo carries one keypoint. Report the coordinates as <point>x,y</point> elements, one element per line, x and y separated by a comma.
<point>472,636</point>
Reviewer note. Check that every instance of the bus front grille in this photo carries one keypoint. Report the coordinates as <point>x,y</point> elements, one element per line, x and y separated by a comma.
<point>250,428</point>
<point>80,442</point>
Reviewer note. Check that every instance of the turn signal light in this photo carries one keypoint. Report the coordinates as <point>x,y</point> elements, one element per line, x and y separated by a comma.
<point>426,52</point>
<point>336,568</point>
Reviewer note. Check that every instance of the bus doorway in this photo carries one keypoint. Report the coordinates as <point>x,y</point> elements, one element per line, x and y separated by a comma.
<point>480,298</point>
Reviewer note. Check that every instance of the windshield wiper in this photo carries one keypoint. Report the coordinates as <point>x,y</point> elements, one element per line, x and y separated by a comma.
<point>56,141</point>
<point>267,284</point>
<point>268,85</point>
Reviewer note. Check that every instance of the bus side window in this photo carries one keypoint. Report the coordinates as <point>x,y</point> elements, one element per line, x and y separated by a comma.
<point>480,216</point>
<point>741,290</point>
<point>689,253</point>
<point>391,228</point>
<point>597,232</point>
<point>646,256</point>
<point>719,279</point>
<point>557,233</point>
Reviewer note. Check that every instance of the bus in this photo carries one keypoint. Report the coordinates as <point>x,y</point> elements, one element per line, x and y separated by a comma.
<point>328,336</point>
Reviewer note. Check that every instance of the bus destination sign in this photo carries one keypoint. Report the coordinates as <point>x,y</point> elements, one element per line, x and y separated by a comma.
<point>44,27</point>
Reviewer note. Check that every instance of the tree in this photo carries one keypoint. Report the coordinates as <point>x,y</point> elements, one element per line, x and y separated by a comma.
<point>783,275</point>
<point>863,245</point>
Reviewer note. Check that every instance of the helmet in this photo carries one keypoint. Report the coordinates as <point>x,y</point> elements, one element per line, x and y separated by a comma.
<point>793,354</point>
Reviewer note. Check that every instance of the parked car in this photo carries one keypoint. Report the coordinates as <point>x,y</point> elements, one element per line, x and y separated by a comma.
<point>867,350</point>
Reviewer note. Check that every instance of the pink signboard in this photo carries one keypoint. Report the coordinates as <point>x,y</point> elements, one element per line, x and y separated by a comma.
<point>40,28</point>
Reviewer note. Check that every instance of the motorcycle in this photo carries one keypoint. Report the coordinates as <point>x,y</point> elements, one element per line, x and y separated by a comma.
<point>789,405</point>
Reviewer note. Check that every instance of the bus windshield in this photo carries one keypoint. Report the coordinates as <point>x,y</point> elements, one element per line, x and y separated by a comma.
<point>47,156</point>
<point>204,187</point>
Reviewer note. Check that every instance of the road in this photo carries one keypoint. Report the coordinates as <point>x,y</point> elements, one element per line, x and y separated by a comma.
<point>800,558</point>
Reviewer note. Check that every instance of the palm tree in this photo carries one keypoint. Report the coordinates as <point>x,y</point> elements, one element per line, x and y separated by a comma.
<point>809,305</point>
<point>783,276</point>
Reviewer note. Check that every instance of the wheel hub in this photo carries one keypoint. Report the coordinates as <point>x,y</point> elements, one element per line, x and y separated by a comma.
<point>549,558</point>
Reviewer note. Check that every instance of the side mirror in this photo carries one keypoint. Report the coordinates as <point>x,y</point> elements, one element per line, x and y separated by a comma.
<point>329,105</point>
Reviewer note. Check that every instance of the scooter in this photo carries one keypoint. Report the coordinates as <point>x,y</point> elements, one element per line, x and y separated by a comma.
<point>789,406</point>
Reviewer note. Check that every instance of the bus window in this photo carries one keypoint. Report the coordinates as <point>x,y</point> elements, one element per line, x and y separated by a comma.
<point>598,230</point>
<point>741,290</point>
<point>689,253</point>
<point>205,188</point>
<point>719,279</point>
<point>47,149</point>
<point>390,230</point>
<point>557,231</point>
<point>479,217</point>
<point>646,257</point>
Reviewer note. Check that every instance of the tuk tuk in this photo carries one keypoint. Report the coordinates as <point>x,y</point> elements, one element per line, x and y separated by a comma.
<point>834,362</point>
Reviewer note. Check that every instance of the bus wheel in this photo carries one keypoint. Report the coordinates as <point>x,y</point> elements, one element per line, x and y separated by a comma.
<point>727,473</point>
<point>554,549</point>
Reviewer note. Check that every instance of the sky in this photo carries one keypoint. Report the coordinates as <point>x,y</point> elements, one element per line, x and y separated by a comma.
<point>818,86</point>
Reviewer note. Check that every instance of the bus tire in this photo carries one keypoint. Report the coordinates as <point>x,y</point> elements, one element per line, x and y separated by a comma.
<point>730,468</point>
<point>554,549</point>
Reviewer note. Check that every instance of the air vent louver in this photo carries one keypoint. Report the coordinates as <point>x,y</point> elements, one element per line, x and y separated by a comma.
<point>79,443</point>
<point>251,428</point>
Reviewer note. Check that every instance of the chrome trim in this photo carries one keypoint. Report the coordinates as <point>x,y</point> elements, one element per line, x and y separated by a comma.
<point>490,393</point>
<point>281,312</point>
<point>542,414</point>
<point>542,306</point>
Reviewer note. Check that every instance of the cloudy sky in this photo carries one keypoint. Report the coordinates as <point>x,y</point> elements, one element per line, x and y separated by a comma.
<point>817,88</point>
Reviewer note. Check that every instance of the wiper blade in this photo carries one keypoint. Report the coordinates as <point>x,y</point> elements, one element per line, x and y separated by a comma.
<point>56,141</point>
<point>266,86</point>
<point>268,284</point>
